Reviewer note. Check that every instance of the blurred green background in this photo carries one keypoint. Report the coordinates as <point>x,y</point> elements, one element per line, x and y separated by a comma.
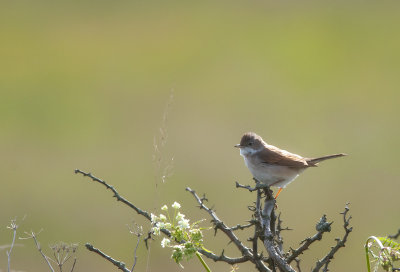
<point>85,85</point>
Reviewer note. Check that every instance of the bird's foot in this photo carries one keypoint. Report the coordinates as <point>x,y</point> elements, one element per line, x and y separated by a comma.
<point>260,185</point>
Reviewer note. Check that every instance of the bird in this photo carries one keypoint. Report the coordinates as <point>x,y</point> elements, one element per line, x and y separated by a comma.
<point>273,166</point>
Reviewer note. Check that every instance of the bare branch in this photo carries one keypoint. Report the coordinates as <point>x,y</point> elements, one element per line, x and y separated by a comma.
<point>148,237</point>
<point>264,220</point>
<point>269,205</point>
<point>339,242</point>
<point>257,229</point>
<point>298,264</point>
<point>116,194</point>
<point>248,187</point>
<point>123,200</point>
<point>304,246</point>
<point>322,226</point>
<point>246,252</point>
<point>129,204</point>
<point>242,227</point>
<point>224,258</point>
<point>279,229</point>
<point>118,264</point>
<point>221,225</point>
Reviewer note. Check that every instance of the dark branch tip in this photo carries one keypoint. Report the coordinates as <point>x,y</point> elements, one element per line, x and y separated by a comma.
<point>89,246</point>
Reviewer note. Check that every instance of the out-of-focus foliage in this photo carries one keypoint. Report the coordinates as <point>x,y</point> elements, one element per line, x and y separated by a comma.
<point>384,252</point>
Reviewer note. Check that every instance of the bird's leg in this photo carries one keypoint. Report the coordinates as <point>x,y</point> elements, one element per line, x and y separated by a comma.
<point>279,191</point>
<point>280,188</point>
<point>260,185</point>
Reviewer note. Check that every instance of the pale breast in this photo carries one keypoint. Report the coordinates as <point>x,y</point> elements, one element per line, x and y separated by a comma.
<point>273,175</point>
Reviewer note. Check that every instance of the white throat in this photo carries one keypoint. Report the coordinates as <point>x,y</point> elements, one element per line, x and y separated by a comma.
<point>245,151</point>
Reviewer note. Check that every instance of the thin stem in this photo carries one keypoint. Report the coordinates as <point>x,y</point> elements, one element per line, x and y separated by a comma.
<point>33,235</point>
<point>14,227</point>
<point>367,256</point>
<point>135,256</point>
<point>73,265</point>
<point>202,262</point>
<point>375,239</point>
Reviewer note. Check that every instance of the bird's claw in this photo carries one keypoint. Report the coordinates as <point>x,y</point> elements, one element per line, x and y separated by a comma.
<point>260,185</point>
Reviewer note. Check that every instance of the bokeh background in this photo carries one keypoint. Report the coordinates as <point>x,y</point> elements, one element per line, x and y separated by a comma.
<point>86,85</point>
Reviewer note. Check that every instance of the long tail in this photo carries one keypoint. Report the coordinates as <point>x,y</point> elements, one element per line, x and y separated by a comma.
<point>315,161</point>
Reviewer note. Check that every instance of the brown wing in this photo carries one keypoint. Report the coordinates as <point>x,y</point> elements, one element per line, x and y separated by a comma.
<point>274,155</point>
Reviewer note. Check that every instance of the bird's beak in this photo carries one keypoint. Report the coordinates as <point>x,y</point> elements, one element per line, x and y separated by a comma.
<point>238,146</point>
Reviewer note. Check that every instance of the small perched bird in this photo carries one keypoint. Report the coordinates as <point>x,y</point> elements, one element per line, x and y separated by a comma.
<point>273,166</point>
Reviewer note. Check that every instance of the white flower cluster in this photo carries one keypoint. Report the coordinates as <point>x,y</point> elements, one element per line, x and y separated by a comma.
<point>185,239</point>
<point>161,222</point>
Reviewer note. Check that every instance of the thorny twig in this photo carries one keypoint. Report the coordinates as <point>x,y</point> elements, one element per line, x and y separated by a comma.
<point>120,198</point>
<point>339,242</point>
<point>116,194</point>
<point>264,221</point>
<point>223,258</point>
<point>322,227</point>
<point>248,187</point>
<point>258,228</point>
<point>129,204</point>
<point>279,229</point>
<point>118,264</point>
<point>268,227</point>
<point>242,227</point>
<point>218,224</point>
<point>259,185</point>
